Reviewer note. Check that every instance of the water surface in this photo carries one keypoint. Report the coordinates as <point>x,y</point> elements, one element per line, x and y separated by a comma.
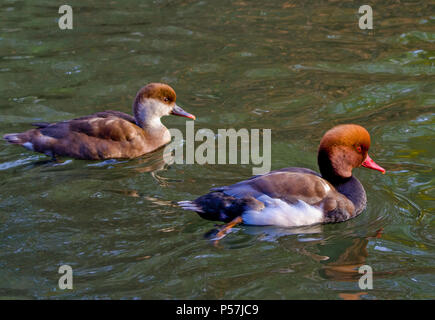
<point>296,67</point>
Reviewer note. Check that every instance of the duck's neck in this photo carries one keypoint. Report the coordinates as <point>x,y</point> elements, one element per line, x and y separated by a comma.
<point>327,169</point>
<point>148,118</point>
<point>348,186</point>
<point>354,191</point>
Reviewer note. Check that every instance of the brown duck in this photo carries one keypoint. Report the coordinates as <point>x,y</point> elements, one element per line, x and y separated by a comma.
<point>108,134</point>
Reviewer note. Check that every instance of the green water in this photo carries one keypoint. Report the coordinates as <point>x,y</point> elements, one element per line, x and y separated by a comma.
<point>296,67</point>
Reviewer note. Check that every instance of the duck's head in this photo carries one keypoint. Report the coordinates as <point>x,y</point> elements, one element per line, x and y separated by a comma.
<point>344,148</point>
<point>156,100</point>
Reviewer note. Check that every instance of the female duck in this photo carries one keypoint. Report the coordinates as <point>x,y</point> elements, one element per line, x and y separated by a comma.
<point>297,196</point>
<point>108,134</point>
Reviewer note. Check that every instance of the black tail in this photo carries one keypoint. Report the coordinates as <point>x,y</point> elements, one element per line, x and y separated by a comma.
<point>217,206</point>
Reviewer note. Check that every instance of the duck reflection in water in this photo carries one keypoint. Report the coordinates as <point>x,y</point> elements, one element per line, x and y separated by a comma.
<point>153,163</point>
<point>345,266</point>
<point>339,260</point>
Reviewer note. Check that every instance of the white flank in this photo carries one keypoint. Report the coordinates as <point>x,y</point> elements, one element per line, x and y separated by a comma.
<point>28,145</point>
<point>280,213</point>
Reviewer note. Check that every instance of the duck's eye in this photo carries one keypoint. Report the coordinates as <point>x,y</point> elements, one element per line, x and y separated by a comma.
<point>358,148</point>
<point>166,99</point>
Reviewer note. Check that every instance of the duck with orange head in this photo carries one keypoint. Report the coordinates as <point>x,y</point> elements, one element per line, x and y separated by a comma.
<point>293,197</point>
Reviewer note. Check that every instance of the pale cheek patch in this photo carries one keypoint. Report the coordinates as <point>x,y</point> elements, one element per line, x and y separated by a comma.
<point>280,213</point>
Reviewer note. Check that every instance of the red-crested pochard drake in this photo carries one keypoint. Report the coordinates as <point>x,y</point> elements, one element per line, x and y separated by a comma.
<point>108,134</point>
<point>293,197</point>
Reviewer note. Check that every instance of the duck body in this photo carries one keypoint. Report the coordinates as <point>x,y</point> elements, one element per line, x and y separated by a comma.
<point>108,134</point>
<point>103,135</point>
<point>292,197</point>
<point>288,197</point>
